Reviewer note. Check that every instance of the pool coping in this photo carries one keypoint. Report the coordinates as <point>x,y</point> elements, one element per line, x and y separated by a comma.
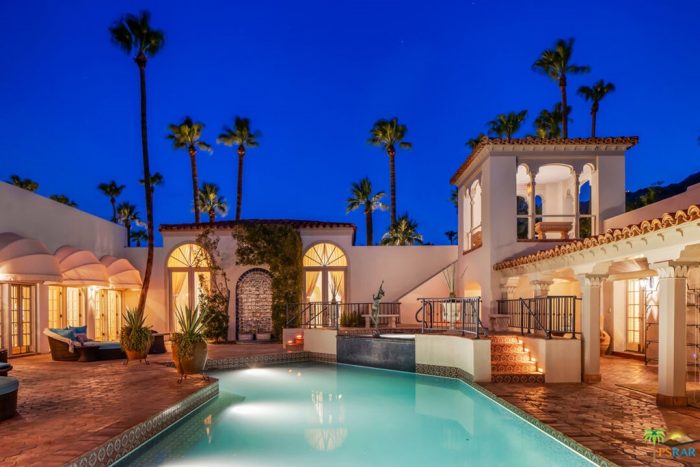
<point>133,438</point>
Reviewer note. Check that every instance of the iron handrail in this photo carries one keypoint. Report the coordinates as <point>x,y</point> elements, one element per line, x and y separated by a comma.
<point>459,314</point>
<point>551,314</point>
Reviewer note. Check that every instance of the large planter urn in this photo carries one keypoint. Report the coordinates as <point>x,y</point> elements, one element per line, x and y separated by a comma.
<point>604,341</point>
<point>193,365</point>
<point>133,355</point>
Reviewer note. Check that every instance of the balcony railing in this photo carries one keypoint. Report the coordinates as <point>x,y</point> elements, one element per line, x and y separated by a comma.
<point>456,314</point>
<point>335,315</point>
<point>558,226</point>
<point>552,315</point>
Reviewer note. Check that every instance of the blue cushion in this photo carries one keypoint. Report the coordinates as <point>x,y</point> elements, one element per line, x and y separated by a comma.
<point>78,329</point>
<point>110,345</point>
<point>68,333</point>
<point>4,366</point>
<point>8,385</point>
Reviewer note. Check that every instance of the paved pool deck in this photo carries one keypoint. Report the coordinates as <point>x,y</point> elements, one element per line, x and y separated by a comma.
<point>68,408</point>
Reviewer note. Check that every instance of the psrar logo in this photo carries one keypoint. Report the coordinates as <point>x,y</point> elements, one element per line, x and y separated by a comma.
<point>671,448</point>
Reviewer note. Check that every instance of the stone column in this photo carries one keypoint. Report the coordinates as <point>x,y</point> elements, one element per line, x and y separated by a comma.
<point>590,325</point>
<point>508,291</point>
<point>673,276</point>
<point>541,287</point>
<point>577,206</point>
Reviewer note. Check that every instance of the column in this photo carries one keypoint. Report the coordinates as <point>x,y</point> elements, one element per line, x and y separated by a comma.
<point>541,287</point>
<point>577,206</point>
<point>673,276</point>
<point>532,209</point>
<point>590,325</point>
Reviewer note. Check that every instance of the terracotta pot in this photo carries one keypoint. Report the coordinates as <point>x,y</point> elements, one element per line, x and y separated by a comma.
<point>132,355</point>
<point>194,364</point>
<point>604,342</point>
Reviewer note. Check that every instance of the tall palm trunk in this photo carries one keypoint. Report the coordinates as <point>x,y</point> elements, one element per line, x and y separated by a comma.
<point>392,176</point>
<point>212,216</point>
<point>195,182</point>
<point>127,225</point>
<point>594,114</point>
<point>113,200</point>
<point>368,223</point>
<point>564,110</point>
<point>141,62</point>
<point>239,190</point>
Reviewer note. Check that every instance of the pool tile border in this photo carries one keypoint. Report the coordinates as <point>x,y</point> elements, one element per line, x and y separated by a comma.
<point>118,447</point>
<point>458,373</point>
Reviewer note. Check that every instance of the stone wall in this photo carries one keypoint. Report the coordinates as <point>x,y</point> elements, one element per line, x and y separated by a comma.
<point>254,302</point>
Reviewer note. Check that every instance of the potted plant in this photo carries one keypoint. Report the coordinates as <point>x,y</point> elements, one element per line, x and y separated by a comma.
<point>450,311</point>
<point>189,344</point>
<point>136,338</point>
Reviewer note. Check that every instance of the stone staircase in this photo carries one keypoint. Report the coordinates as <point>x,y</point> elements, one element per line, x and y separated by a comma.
<point>511,362</point>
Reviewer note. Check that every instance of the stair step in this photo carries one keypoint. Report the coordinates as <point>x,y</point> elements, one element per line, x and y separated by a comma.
<point>506,348</point>
<point>504,339</point>
<point>513,368</point>
<point>532,377</point>
<point>521,357</point>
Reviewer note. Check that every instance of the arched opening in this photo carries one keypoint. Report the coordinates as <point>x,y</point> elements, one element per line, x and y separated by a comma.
<point>254,304</point>
<point>189,277</point>
<point>472,289</point>
<point>471,216</point>
<point>325,265</point>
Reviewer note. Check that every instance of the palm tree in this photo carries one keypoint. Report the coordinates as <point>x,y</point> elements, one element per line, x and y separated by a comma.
<point>389,134</point>
<point>403,232</point>
<point>138,236</point>
<point>63,199</point>
<point>241,136</point>
<point>555,64</point>
<point>595,94</point>
<point>211,202</point>
<point>112,191</point>
<point>135,36</point>
<point>128,216</point>
<point>548,123</point>
<point>156,180</point>
<point>187,136</point>
<point>362,197</point>
<point>24,183</point>
<point>451,236</point>
<point>506,125</point>
<point>472,143</point>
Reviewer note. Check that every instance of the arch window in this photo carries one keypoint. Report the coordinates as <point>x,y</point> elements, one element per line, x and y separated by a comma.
<point>325,267</point>
<point>189,277</point>
<point>471,216</point>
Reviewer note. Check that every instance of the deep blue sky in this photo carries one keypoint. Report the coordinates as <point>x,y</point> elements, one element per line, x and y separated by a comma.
<point>313,76</point>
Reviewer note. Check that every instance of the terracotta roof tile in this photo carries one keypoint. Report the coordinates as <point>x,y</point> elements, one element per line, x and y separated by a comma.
<point>612,235</point>
<point>629,141</point>
<point>296,223</point>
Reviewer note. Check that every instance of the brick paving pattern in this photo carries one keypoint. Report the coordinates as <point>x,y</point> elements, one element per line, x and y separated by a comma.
<point>604,417</point>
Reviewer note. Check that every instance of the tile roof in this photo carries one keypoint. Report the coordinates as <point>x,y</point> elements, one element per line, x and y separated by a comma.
<point>628,141</point>
<point>612,235</point>
<point>296,223</point>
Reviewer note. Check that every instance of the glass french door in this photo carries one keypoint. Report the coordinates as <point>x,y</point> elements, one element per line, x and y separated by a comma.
<point>75,306</point>
<point>56,316</point>
<point>113,315</point>
<point>635,316</point>
<point>21,319</point>
<point>186,287</point>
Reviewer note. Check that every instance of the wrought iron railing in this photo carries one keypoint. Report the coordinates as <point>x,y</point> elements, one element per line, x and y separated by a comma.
<point>552,315</point>
<point>335,315</point>
<point>457,314</point>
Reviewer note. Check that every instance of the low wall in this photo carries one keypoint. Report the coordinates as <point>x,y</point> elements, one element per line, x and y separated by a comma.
<point>558,358</point>
<point>378,352</point>
<point>320,341</point>
<point>470,355</point>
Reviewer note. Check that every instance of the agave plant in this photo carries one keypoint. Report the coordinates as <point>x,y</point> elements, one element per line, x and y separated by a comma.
<point>135,335</point>
<point>192,323</point>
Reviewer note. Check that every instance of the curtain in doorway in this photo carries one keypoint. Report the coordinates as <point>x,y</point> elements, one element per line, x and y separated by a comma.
<point>311,279</point>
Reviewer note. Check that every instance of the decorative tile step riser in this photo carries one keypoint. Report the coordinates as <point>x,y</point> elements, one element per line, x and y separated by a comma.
<point>504,340</point>
<point>518,378</point>
<point>499,348</point>
<point>511,357</point>
<point>517,368</point>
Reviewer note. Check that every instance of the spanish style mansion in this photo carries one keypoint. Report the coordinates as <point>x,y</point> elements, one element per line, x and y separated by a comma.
<point>544,241</point>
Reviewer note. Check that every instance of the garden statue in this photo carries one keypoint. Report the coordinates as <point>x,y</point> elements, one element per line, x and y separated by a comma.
<point>377,300</point>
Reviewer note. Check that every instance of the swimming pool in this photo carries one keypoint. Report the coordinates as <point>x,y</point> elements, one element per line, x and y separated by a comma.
<point>314,414</point>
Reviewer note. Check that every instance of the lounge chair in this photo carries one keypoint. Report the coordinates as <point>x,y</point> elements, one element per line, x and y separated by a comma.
<point>65,349</point>
<point>4,366</point>
<point>8,397</point>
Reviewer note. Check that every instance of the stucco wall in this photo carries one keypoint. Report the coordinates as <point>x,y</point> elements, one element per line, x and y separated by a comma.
<point>471,355</point>
<point>31,215</point>
<point>320,341</point>
<point>559,358</point>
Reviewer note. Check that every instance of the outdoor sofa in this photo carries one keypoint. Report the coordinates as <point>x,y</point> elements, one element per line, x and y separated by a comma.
<point>66,347</point>
<point>8,397</point>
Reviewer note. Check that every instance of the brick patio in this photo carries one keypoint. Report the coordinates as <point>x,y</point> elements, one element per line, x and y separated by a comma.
<point>67,408</point>
<point>605,417</point>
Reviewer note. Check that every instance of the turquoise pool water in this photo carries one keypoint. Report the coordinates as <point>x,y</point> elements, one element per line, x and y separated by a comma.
<point>330,415</point>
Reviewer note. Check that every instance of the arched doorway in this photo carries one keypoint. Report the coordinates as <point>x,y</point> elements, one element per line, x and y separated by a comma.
<point>254,303</point>
<point>325,265</point>
<point>188,278</point>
